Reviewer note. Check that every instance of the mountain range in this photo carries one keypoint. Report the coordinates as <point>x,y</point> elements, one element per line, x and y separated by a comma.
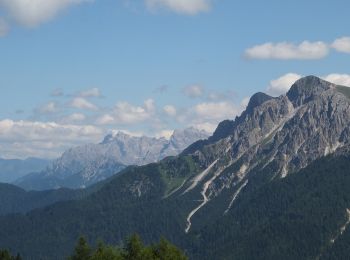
<point>13,169</point>
<point>85,165</point>
<point>272,184</point>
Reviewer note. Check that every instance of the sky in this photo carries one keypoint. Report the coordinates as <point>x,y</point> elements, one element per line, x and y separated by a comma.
<point>71,71</point>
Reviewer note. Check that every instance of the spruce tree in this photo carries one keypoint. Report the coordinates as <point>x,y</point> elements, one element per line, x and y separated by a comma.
<point>82,250</point>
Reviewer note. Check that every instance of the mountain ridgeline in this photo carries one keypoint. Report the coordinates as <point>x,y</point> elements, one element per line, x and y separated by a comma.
<point>85,165</point>
<point>13,169</point>
<point>272,184</point>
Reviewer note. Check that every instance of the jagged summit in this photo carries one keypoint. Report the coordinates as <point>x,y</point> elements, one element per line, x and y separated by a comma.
<point>87,164</point>
<point>116,136</point>
<point>257,99</point>
<point>307,88</point>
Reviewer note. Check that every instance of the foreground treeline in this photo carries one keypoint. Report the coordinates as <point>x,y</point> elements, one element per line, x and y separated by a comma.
<point>6,255</point>
<point>134,249</point>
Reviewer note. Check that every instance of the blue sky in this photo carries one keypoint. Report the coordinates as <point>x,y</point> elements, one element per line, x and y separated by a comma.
<point>72,70</point>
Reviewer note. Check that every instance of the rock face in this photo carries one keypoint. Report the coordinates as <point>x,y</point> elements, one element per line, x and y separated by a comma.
<point>285,134</point>
<point>85,165</point>
<point>130,150</point>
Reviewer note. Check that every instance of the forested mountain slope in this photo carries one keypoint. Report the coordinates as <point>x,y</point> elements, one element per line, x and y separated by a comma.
<point>262,185</point>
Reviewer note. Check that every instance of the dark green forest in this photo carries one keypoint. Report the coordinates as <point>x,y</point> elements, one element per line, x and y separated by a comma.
<point>297,217</point>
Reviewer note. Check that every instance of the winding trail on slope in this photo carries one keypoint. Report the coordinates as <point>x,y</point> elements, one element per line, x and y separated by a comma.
<point>205,199</point>
<point>235,196</point>
<point>344,227</point>
<point>199,177</point>
<point>175,190</point>
<point>341,231</point>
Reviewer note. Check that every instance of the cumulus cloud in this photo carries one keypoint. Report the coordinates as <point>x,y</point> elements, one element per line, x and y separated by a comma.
<point>207,115</point>
<point>342,44</point>
<point>282,84</point>
<point>4,27</point>
<point>216,110</point>
<point>188,7</point>
<point>94,92</point>
<point>48,108</point>
<point>73,118</point>
<point>289,51</point>
<point>22,138</point>
<point>164,133</point>
<point>105,119</point>
<point>170,110</point>
<point>34,12</point>
<point>193,91</point>
<point>82,103</point>
<point>245,102</point>
<point>206,126</point>
<point>126,113</point>
<point>339,79</point>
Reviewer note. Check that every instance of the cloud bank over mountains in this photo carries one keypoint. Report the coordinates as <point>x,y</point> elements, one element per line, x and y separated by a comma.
<point>282,84</point>
<point>305,50</point>
<point>68,121</point>
<point>71,119</point>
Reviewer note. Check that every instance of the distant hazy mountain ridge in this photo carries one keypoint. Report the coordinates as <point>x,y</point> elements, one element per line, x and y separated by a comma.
<point>87,164</point>
<point>12,169</point>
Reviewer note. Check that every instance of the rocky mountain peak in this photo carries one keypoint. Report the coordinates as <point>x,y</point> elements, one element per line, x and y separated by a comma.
<point>306,89</point>
<point>257,99</point>
<point>87,164</point>
<point>286,133</point>
<point>115,135</point>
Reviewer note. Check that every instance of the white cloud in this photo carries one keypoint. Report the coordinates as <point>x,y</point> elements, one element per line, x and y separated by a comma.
<point>164,133</point>
<point>282,84</point>
<point>193,91</point>
<point>128,132</point>
<point>105,119</point>
<point>289,51</point>
<point>170,110</point>
<point>339,79</point>
<point>149,105</point>
<point>33,12</point>
<point>216,110</point>
<point>4,27</point>
<point>208,127</point>
<point>126,113</point>
<point>82,103</point>
<point>22,138</point>
<point>188,7</point>
<point>342,44</point>
<point>245,102</point>
<point>94,92</point>
<point>48,108</point>
<point>73,118</point>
